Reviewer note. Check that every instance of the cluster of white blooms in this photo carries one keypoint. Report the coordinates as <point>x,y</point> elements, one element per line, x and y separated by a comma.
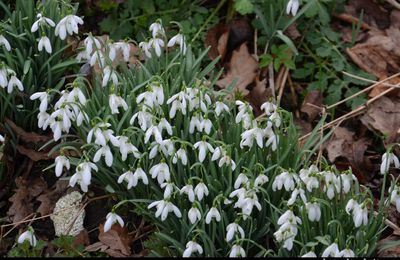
<point>253,132</point>
<point>67,109</point>
<point>9,80</point>
<point>307,189</point>
<point>41,23</point>
<point>288,229</point>
<point>157,42</point>
<point>333,251</point>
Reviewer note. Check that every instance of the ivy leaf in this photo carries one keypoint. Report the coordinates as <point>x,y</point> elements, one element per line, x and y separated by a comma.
<point>244,6</point>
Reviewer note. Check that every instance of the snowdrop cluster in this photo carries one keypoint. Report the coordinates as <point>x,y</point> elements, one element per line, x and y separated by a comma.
<point>158,41</point>
<point>9,80</point>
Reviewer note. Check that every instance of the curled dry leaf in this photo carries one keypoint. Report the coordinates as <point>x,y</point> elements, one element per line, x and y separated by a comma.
<point>25,136</point>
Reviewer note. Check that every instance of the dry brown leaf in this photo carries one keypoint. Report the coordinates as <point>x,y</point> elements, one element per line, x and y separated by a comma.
<point>34,155</point>
<point>25,136</point>
<point>117,239</point>
<point>243,70</point>
<point>383,116</point>
<point>49,198</point>
<point>212,40</point>
<point>343,147</point>
<point>258,95</point>
<point>22,199</point>
<point>81,239</point>
<point>314,98</point>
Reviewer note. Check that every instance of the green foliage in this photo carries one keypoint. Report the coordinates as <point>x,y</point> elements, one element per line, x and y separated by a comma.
<point>25,249</point>
<point>281,55</point>
<point>132,18</point>
<point>244,6</point>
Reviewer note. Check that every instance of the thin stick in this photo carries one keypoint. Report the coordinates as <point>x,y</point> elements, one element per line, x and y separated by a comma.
<point>271,80</point>
<point>282,85</point>
<point>351,19</point>
<point>376,83</point>
<point>394,3</point>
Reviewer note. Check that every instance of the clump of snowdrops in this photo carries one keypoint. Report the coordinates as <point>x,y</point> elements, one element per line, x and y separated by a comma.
<point>215,180</point>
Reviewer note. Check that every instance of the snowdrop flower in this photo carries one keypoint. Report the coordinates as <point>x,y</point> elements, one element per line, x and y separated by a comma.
<point>192,247</point>
<point>347,179</point>
<point>395,196</point>
<point>83,175</point>
<point>387,160</point>
<point>125,48</point>
<point>61,161</point>
<point>309,177</point>
<point>237,251</point>
<point>292,7</point>
<point>157,45</point>
<point>268,108</point>
<point>233,228</point>
<point>314,211</point>
<point>285,179</point>
<point>41,21</point>
<point>309,254</point>
<point>220,107</point>
<point>201,190</point>
<point>178,103</point>
<point>28,235</point>
<point>3,41</point>
<point>155,131</point>
<point>241,179</point>
<point>163,208</point>
<point>161,172</point>
<point>346,253</point>
<point>169,188</point>
<point>98,56</point>
<point>196,122</point>
<point>213,213</point>
<point>112,218</point>
<point>157,29</point>
<point>331,183</point>
<point>43,120</point>
<point>245,110</point>
<point>180,154</point>
<point>133,178</point>
<point>1,139</point>
<point>178,39</point>
<point>188,189</point>
<point>331,251</point>
<point>43,97</point>
<point>276,119</point>
<point>164,124</point>
<point>106,152</point>
<point>165,146</point>
<point>126,147</point>
<point>228,161</point>
<point>102,135</point>
<point>217,153</point>
<point>252,134</point>
<point>350,205</point>
<point>144,119</point>
<point>76,95</point>
<point>360,215</point>
<point>194,214</point>
<point>89,42</point>
<point>14,81</point>
<point>203,147</point>
<point>289,217</point>
<point>68,25</point>
<point>3,76</point>
<point>260,180</point>
<point>109,73</point>
<point>145,46</point>
<point>115,102</point>
<point>295,193</point>
<point>45,42</point>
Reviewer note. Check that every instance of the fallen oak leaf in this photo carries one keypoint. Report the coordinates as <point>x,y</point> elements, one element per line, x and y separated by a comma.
<point>34,155</point>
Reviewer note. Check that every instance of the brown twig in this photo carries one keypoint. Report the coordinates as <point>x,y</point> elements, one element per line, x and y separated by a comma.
<point>394,3</point>
<point>351,19</point>
<point>282,84</point>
